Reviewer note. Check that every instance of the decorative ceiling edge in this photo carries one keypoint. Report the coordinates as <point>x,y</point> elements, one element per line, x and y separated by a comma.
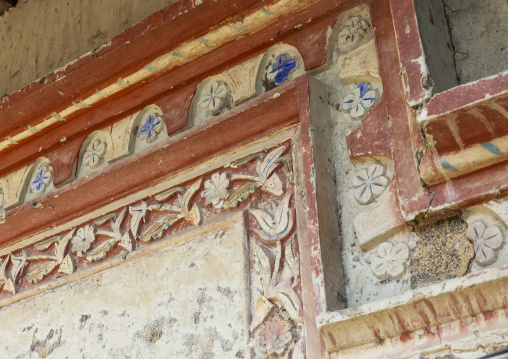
<point>418,309</point>
<point>245,20</point>
<point>181,151</point>
<point>176,84</point>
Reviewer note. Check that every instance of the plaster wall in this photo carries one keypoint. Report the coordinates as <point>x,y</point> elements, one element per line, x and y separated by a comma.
<point>184,301</point>
<point>38,37</point>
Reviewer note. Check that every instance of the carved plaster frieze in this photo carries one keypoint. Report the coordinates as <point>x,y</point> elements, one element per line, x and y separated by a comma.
<point>167,61</point>
<point>260,184</point>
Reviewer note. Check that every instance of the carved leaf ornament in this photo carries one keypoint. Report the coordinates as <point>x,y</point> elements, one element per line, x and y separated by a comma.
<point>274,335</point>
<point>275,258</point>
<point>216,190</point>
<point>274,226</point>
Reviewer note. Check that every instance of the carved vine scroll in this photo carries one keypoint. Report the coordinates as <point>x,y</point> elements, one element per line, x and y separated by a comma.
<point>261,185</point>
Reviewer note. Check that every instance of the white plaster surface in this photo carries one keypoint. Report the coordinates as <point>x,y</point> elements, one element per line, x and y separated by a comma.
<point>185,301</point>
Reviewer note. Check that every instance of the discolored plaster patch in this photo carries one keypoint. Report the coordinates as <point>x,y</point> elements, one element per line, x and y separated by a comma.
<point>152,332</point>
<point>443,250</point>
<point>83,320</point>
<point>205,346</point>
<point>45,347</point>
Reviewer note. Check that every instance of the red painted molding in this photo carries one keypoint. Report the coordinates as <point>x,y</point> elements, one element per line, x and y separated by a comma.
<point>166,90</point>
<point>238,126</point>
<point>179,22</point>
<point>413,197</point>
<point>412,58</point>
<point>477,111</point>
<point>372,137</point>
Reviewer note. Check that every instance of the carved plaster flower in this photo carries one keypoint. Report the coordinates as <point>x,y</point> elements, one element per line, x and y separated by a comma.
<point>277,226</point>
<point>94,153</point>
<point>353,31</point>
<point>370,183</point>
<point>151,128</point>
<point>274,337</point>
<point>390,260</point>
<point>216,189</point>
<point>486,240</point>
<point>359,101</point>
<point>41,179</point>
<point>215,98</point>
<point>82,240</point>
<point>282,67</point>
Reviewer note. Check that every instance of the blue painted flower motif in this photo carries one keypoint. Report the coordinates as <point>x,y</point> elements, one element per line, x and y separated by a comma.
<point>360,100</point>
<point>152,126</point>
<point>283,66</point>
<point>40,180</point>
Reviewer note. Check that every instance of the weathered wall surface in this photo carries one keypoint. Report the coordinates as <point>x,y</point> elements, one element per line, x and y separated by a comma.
<point>182,302</point>
<point>479,30</point>
<point>40,36</point>
<point>394,261</point>
<point>464,40</point>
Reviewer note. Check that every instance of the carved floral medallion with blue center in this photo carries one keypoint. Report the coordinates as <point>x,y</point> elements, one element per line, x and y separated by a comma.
<point>360,101</point>
<point>282,67</point>
<point>152,126</point>
<point>40,180</point>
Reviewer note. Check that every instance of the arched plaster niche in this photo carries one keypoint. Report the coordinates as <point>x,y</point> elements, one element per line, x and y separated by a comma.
<point>213,96</point>
<point>38,181</point>
<point>353,48</point>
<point>280,63</point>
<point>148,128</point>
<point>93,154</point>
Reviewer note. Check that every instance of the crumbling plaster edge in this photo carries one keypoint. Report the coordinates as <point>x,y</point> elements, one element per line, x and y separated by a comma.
<point>331,321</point>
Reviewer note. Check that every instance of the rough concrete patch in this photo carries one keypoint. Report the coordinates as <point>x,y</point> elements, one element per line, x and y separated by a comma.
<point>443,250</point>
<point>47,346</point>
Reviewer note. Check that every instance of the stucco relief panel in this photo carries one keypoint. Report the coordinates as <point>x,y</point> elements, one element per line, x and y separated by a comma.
<point>258,188</point>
